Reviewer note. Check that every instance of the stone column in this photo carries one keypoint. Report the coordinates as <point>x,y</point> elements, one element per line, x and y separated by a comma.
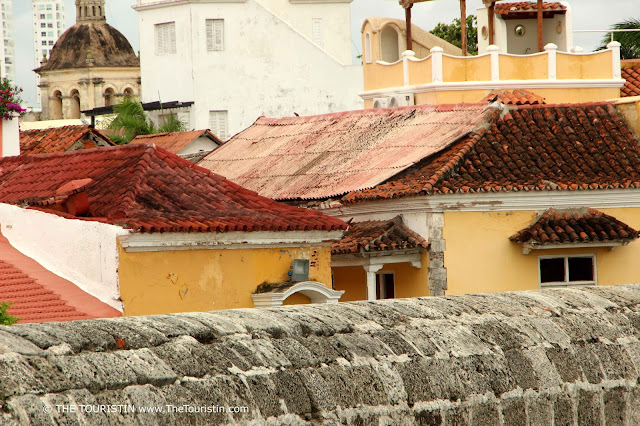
<point>437,246</point>
<point>371,280</point>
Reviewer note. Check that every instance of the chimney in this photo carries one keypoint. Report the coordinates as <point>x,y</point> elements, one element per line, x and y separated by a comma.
<point>9,137</point>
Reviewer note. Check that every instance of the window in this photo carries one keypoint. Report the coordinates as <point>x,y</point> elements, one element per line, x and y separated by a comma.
<point>215,35</point>
<point>561,271</point>
<point>218,123</point>
<point>166,38</point>
<point>43,25</point>
<point>385,286</point>
<point>43,34</point>
<point>368,53</point>
<point>42,16</point>
<point>316,31</point>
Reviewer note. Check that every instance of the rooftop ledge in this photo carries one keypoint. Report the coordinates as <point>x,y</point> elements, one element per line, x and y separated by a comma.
<point>494,70</point>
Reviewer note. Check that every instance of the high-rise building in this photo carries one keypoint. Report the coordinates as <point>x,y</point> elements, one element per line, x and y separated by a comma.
<point>48,25</point>
<point>7,52</point>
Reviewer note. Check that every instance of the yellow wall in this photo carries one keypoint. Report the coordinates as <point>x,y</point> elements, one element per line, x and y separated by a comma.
<point>584,67</point>
<point>409,281</point>
<point>524,67</point>
<point>480,258</point>
<point>204,280</point>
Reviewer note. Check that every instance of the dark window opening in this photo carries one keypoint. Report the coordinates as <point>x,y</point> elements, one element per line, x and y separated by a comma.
<point>567,269</point>
<point>580,269</point>
<point>385,286</point>
<point>552,270</point>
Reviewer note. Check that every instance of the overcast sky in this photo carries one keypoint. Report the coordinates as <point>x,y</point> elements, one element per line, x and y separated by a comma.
<point>587,14</point>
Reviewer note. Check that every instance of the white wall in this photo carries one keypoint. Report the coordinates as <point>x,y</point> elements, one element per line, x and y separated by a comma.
<point>202,143</point>
<point>83,252</point>
<point>266,68</point>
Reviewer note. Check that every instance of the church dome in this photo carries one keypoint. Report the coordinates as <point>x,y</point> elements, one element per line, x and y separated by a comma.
<point>91,42</point>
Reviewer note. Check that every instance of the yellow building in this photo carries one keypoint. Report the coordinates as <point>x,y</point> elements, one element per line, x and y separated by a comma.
<point>559,72</point>
<point>441,196</point>
<point>148,232</point>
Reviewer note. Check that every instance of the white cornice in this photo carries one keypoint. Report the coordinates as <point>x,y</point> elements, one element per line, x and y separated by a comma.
<point>495,85</point>
<point>135,242</point>
<point>527,247</point>
<point>493,201</point>
<point>168,3</point>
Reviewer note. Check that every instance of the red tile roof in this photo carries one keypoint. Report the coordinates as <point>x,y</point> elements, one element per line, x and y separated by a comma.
<point>175,141</point>
<point>514,97</point>
<point>378,235</point>
<point>526,6</point>
<point>61,139</point>
<point>326,155</point>
<point>147,189</point>
<point>576,226</point>
<point>532,148</point>
<point>631,74</point>
<point>38,295</point>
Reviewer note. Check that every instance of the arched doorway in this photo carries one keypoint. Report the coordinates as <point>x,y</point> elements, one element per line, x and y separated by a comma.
<point>389,44</point>
<point>74,108</point>
<point>109,97</point>
<point>55,105</point>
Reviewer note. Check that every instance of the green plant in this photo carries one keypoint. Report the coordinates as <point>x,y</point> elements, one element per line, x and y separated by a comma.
<point>630,41</point>
<point>453,33</point>
<point>5,317</point>
<point>10,100</point>
<point>131,120</point>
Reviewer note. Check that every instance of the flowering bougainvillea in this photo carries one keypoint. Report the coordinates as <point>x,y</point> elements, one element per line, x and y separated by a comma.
<point>10,100</point>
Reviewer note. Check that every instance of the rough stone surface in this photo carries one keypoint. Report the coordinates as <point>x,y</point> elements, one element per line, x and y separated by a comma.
<point>554,357</point>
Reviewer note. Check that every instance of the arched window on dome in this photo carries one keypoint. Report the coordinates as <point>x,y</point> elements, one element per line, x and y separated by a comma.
<point>100,11</point>
<point>109,97</point>
<point>86,11</point>
<point>55,105</point>
<point>93,10</point>
<point>74,109</point>
<point>79,11</point>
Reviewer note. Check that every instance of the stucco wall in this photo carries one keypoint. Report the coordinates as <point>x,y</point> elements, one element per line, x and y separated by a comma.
<point>250,77</point>
<point>83,252</point>
<point>554,357</point>
<point>202,280</point>
<point>480,258</point>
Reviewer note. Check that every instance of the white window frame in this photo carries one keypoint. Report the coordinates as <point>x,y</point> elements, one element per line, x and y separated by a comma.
<point>394,282</point>
<point>212,44</point>
<point>162,46</point>
<point>567,283</point>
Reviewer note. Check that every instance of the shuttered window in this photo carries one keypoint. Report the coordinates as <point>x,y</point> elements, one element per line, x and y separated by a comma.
<point>316,32</point>
<point>166,38</point>
<point>215,35</point>
<point>218,124</point>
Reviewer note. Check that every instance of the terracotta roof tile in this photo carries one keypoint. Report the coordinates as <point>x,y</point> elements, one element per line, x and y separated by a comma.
<point>526,6</point>
<point>60,139</point>
<point>532,148</point>
<point>380,235</point>
<point>39,295</point>
<point>326,155</point>
<point>148,189</point>
<point>515,97</point>
<point>175,141</point>
<point>561,227</point>
<point>632,84</point>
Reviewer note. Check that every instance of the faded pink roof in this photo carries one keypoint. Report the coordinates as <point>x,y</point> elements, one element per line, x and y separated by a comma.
<point>175,141</point>
<point>327,155</point>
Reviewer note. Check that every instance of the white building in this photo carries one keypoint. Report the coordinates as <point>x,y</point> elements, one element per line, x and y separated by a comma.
<point>240,59</point>
<point>7,51</point>
<point>48,25</point>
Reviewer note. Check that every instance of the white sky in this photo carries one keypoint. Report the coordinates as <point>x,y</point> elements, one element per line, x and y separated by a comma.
<point>587,14</point>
